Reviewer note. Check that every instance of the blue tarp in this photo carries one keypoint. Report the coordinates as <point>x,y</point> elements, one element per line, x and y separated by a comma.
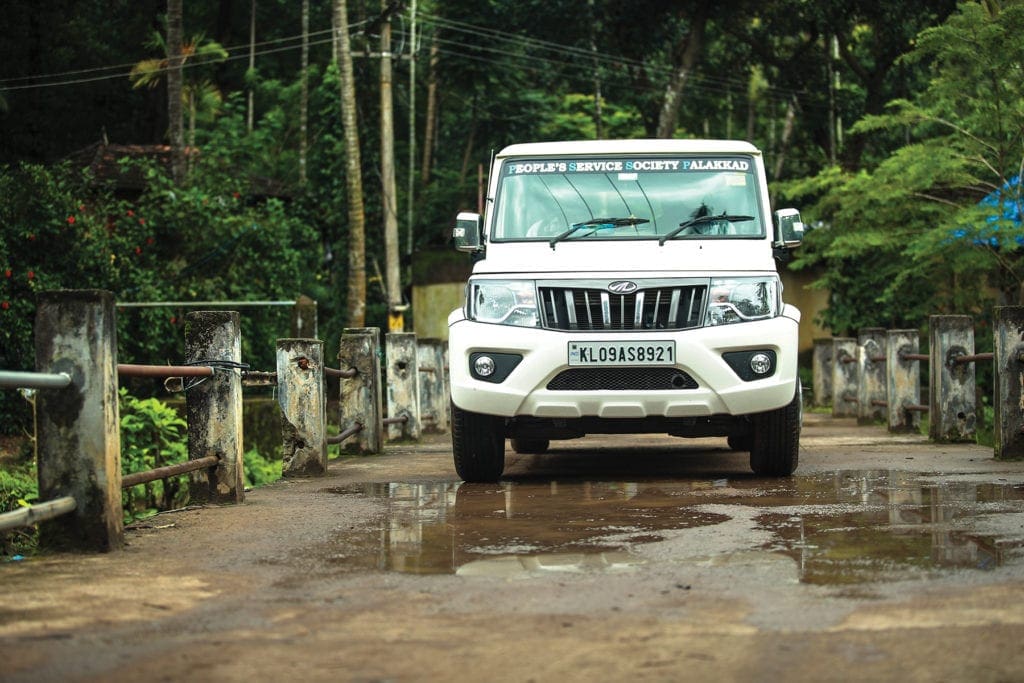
<point>1006,204</point>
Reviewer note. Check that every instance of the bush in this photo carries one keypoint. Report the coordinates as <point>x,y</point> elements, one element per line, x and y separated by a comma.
<point>18,488</point>
<point>152,435</point>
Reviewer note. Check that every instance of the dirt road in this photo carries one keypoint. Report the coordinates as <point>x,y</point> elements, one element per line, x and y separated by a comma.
<point>626,558</point>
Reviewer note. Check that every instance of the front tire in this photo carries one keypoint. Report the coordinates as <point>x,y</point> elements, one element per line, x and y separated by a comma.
<point>478,445</point>
<point>775,446</point>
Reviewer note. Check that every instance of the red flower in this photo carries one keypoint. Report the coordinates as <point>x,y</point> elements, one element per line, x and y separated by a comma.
<point>138,250</point>
<point>236,195</point>
<point>31,237</point>
<point>8,273</point>
<point>142,221</point>
<point>81,207</point>
<point>5,305</point>
<point>31,275</point>
<point>174,320</point>
<point>150,241</point>
<point>130,213</point>
<point>71,220</point>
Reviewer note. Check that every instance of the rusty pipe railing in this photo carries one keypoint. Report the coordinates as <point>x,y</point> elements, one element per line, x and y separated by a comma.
<point>33,514</point>
<point>351,431</point>
<point>136,478</point>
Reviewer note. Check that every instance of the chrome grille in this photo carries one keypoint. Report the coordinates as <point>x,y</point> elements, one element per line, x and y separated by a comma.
<point>622,379</point>
<point>665,307</point>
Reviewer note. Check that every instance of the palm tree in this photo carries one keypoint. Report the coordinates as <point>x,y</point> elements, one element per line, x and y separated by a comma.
<point>200,96</point>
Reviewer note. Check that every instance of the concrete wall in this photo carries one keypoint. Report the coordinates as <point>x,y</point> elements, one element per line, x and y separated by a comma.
<point>431,305</point>
<point>810,302</point>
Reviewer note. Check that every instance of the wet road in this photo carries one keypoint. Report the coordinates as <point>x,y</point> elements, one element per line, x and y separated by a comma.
<point>620,558</point>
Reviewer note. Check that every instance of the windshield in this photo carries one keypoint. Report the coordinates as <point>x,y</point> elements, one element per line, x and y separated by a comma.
<point>660,198</point>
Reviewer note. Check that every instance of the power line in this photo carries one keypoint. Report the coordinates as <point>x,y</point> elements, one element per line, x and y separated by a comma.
<point>527,52</point>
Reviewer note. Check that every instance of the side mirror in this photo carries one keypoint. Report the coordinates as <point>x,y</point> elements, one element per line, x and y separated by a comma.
<point>789,228</point>
<point>468,232</point>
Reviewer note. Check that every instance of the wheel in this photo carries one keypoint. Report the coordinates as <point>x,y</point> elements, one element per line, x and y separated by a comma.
<point>775,446</point>
<point>534,446</point>
<point>741,443</point>
<point>478,444</point>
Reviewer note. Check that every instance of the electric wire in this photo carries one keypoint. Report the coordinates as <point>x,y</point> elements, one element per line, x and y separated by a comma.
<point>568,59</point>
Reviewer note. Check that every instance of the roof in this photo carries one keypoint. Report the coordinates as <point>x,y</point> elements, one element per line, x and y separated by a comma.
<point>103,160</point>
<point>604,147</point>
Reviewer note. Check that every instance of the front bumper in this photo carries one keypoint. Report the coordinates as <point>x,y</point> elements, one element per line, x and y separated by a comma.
<point>719,390</point>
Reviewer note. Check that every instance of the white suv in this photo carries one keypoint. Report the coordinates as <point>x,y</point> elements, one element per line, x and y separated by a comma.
<point>625,286</point>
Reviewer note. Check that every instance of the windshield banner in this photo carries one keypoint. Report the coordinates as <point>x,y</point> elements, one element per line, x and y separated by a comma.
<point>654,165</point>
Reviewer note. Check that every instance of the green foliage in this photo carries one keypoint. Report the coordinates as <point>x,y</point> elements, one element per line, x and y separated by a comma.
<point>260,470</point>
<point>908,237</point>
<point>576,119</point>
<point>18,488</point>
<point>152,435</point>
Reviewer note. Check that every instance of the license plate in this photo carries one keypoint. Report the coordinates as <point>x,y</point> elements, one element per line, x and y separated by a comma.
<point>610,353</point>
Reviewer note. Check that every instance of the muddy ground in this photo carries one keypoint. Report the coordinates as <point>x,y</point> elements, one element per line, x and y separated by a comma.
<point>618,558</point>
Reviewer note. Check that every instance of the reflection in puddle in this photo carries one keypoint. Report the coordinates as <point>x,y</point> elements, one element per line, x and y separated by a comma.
<point>841,528</point>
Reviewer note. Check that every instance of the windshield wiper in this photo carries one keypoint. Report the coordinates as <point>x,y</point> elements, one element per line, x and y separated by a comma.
<point>598,224</point>
<point>700,221</point>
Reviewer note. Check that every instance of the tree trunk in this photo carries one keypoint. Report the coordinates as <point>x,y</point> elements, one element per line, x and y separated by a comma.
<point>356,303</point>
<point>249,115</point>
<point>175,115</point>
<point>392,262</point>
<point>304,96</point>
<point>431,114</point>
<point>787,134</point>
<point>688,56</point>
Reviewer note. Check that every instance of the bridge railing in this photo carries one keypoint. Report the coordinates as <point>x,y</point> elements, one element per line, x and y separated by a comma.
<point>78,439</point>
<point>877,376</point>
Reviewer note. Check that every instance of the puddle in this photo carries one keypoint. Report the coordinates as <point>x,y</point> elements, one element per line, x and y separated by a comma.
<point>841,528</point>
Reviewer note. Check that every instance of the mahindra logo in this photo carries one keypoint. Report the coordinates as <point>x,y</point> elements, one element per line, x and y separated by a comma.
<point>622,287</point>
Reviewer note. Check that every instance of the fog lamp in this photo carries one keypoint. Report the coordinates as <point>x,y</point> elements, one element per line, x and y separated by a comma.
<point>761,363</point>
<point>484,366</point>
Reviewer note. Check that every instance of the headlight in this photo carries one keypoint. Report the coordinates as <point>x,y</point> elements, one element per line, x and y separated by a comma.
<point>505,302</point>
<point>735,300</point>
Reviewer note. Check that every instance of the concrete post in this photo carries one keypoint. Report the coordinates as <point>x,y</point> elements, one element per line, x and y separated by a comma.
<point>304,318</point>
<point>430,358</point>
<point>822,371</point>
<point>1009,380</point>
<point>872,388</point>
<point>844,377</point>
<point>361,400</point>
<point>403,385</point>
<point>953,412</point>
<point>903,380</point>
<point>300,393</point>
<point>77,428</point>
<point>213,408</point>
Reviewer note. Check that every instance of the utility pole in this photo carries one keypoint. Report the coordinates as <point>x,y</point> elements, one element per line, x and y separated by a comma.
<point>174,88</point>
<point>304,97</point>
<point>393,276</point>
<point>410,187</point>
